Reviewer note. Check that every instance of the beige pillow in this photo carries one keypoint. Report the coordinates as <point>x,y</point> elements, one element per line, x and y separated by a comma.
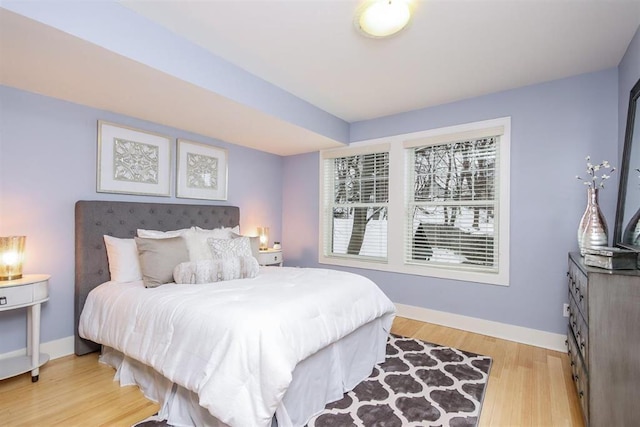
<point>158,257</point>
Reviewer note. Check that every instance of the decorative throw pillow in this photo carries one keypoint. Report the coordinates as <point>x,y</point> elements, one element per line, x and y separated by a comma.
<point>229,248</point>
<point>216,270</point>
<point>254,242</point>
<point>158,257</point>
<point>197,241</point>
<point>122,255</point>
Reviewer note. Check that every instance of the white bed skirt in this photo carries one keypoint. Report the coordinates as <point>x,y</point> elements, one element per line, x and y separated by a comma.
<point>321,378</point>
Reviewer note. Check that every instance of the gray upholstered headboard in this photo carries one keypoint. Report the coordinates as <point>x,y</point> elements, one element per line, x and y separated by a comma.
<point>121,219</point>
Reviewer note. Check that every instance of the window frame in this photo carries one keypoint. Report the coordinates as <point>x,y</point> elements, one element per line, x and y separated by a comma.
<point>397,205</point>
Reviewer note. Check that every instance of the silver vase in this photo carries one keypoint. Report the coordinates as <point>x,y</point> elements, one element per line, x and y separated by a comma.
<point>592,231</point>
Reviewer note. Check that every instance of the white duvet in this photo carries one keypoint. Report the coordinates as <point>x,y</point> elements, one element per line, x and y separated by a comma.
<point>234,343</point>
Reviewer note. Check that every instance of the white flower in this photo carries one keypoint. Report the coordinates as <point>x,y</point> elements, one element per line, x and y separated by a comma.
<point>594,180</point>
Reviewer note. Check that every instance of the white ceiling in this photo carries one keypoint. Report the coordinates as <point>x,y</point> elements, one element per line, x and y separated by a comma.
<point>452,50</point>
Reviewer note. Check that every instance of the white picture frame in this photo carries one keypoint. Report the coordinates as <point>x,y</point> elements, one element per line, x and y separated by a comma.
<point>133,161</point>
<point>201,171</point>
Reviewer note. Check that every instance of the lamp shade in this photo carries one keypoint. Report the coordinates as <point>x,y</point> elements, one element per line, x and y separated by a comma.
<point>11,257</point>
<point>263,233</point>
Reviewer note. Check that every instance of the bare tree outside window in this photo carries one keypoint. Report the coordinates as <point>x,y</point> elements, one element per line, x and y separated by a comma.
<point>360,200</point>
<point>453,207</point>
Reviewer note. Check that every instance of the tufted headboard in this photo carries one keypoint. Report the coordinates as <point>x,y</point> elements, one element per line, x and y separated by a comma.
<point>121,219</point>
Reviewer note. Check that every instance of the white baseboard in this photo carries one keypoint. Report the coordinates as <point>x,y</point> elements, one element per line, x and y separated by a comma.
<point>503,331</point>
<point>55,349</point>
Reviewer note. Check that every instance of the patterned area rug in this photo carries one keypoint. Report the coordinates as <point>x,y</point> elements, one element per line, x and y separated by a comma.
<point>419,384</point>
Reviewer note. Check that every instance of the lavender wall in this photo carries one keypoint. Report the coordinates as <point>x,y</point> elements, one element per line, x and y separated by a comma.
<point>628,75</point>
<point>554,126</point>
<point>48,162</point>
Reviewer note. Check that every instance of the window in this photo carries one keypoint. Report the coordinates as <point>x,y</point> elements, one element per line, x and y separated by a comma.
<point>356,189</point>
<point>452,204</point>
<point>433,203</point>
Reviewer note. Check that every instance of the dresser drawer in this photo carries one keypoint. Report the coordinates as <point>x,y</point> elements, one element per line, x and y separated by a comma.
<point>579,327</point>
<point>578,287</point>
<point>15,296</point>
<point>578,374</point>
<point>270,257</point>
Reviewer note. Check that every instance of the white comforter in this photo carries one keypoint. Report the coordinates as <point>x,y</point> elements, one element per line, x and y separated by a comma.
<point>234,343</point>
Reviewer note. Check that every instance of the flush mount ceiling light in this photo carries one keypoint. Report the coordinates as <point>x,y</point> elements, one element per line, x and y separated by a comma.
<point>382,18</point>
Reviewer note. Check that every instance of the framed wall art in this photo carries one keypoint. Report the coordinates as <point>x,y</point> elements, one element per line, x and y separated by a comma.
<point>132,161</point>
<point>201,171</point>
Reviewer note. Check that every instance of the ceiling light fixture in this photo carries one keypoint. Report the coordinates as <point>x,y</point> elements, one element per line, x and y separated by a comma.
<point>382,18</point>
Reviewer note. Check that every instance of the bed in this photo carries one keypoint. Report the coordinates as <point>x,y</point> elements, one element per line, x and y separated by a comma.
<point>274,348</point>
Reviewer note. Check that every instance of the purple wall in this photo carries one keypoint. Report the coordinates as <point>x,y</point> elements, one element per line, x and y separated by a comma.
<point>48,162</point>
<point>628,75</point>
<point>554,126</point>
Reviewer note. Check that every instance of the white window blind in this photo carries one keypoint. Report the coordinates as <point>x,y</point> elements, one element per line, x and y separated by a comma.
<point>453,204</point>
<point>355,203</point>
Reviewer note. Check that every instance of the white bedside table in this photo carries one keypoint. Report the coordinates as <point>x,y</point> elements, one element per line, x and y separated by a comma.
<point>270,257</point>
<point>30,291</point>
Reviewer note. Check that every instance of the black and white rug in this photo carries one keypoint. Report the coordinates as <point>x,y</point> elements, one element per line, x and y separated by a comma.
<point>419,384</point>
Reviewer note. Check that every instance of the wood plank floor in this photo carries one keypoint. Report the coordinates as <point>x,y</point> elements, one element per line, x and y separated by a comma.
<point>528,386</point>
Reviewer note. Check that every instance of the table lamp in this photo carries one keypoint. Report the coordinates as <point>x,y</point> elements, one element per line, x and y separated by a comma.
<point>263,232</point>
<point>11,257</point>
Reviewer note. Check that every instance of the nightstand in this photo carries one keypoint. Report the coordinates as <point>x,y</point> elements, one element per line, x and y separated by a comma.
<point>30,291</point>
<point>270,257</point>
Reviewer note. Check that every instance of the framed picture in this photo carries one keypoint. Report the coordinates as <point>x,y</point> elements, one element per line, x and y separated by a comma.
<point>131,161</point>
<point>202,171</point>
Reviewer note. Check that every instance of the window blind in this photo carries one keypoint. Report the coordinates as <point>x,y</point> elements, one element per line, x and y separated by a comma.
<point>452,204</point>
<point>356,197</point>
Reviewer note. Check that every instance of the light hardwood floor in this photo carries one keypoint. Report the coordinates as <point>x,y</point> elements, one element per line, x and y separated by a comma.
<point>528,386</point>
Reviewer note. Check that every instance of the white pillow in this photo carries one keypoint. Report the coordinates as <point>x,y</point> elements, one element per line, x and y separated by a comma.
<point>230,230</point>
<point>123,259</point>
<point>230,248</point>
<point>198,245</point>
<point>155,234</point>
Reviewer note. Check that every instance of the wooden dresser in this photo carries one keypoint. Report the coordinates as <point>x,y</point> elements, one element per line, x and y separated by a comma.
<point>603,339</point>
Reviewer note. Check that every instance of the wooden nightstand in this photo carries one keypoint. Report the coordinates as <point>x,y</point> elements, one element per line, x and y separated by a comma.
<point>270,257</point>
<point>30,291</point>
